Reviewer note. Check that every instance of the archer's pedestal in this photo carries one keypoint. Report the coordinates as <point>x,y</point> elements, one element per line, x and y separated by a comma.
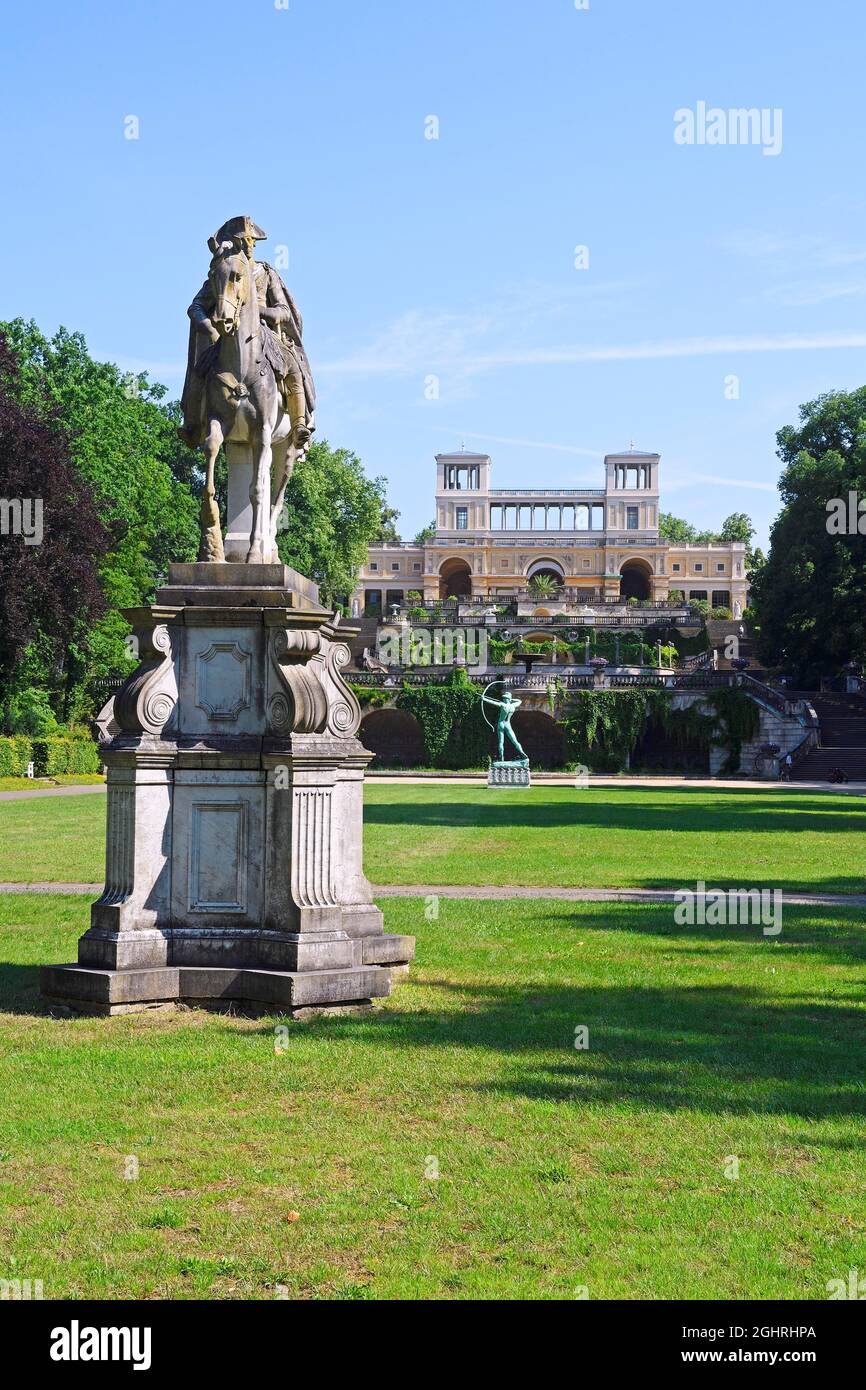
<point>235,782</point>
<point>506,774</point>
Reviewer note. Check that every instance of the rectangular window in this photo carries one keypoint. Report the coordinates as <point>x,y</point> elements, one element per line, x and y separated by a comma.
<point>720,569</point>
<point>699,569</point>
<point>395,564</point>
<point>676,569</point>
<point>462,518</point>
<point>632,517</point>
<point>374,565</point>
<point>417,565</point>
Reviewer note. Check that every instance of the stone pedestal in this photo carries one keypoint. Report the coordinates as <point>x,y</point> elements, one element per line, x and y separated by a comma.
<point>507,774</point>
<point>235,783</point>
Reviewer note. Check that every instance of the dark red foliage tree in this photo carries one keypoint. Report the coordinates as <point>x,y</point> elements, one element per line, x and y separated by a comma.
<point>49,591</point>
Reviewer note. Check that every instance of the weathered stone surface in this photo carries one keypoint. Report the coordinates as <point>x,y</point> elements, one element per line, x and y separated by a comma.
<point>228,585</point>
<point>235,777</point>
<point>123,991</point>
<point>235,786</point>
<point>387,950</point>
<point>249,387</point>
<point>89,985</point>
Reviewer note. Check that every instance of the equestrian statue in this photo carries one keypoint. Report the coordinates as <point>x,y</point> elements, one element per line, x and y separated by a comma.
<point>248,386</point>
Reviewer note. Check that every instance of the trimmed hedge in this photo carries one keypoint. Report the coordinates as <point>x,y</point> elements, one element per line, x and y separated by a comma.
<point>51,757</point>
<point>15,754</point>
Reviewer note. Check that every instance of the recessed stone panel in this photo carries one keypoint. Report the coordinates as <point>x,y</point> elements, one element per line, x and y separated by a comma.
<point>217,865</point>
<point>223,681</point>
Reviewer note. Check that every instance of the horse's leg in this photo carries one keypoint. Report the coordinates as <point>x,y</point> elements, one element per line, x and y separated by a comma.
<point>211,543</point>
<point>260,496</point>
<point>280,474</point>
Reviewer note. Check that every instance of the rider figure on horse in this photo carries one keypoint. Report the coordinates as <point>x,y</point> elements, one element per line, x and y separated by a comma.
<point>282,329</point>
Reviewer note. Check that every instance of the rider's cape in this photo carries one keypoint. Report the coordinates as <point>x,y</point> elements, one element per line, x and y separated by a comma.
<point>202,354</point>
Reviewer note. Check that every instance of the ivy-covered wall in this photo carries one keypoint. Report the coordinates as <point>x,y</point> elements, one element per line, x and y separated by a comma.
<point>455,732</point>
<point>606,730</point>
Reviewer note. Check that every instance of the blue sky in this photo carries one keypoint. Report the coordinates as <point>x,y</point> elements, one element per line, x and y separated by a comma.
<point>454,258</point>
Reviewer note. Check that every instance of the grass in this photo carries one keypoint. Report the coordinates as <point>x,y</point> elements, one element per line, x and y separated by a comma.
<point>554,836</point>
<point>559,1169</point>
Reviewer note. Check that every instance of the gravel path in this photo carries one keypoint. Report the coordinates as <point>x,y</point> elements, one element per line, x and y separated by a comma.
<point>82,790</point>
<point>497,894</point>
<point>539,779</point>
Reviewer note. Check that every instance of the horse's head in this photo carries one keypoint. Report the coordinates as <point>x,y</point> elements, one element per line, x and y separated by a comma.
<point>229,277</point>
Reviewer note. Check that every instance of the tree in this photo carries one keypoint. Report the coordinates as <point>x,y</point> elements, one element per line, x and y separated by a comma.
<point>810,594</point>
<point>386,532</point>
<point>738,527</point>
<point>679,532</point>
<point>333,511</point>
<point>425,534</point>
<point>123,446</point>
<point>49,590</point>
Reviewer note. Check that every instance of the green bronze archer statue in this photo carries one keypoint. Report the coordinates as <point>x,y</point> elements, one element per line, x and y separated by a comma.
<point>506,707</point>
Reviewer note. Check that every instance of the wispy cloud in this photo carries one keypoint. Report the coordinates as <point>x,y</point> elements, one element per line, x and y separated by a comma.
<point>804,255</point>
<point>678,482</point>
<point>522,443</point>
<point>417,344</point>
<point>800,293</point>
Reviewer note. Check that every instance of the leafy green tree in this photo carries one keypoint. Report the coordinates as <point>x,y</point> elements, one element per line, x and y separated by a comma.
<point>123,446</point>
<point>387,533</point>
<point>738,527</point>
<point>333,511</point>
<point>49,557</point>
<point>425,534</point>
<point>673,528</point>
<point>810,594</point>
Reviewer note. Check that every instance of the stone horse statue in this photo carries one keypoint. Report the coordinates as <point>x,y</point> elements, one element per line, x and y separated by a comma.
<point>249,405</point>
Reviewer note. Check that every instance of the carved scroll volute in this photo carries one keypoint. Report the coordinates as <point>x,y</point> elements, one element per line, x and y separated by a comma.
<point>344,712</point>
<point>299,705</point>
<point>147,703</point>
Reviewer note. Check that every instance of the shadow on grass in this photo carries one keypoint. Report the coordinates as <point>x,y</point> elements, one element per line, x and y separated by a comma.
<point>726,809</point>
<point>19,990</point>
<point>836,935</point>
<point>711,1048</point>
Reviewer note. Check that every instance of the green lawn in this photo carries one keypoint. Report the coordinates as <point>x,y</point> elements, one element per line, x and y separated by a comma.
<point>548,836</point>
<point>557,1168</point>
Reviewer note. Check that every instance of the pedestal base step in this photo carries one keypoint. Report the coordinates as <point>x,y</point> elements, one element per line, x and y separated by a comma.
<point>86,989</point>
<point>385,950</point>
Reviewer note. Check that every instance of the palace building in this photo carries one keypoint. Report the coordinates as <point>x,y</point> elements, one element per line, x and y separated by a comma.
<point>598,544</point>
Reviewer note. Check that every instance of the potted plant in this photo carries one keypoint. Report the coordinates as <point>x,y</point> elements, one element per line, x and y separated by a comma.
<point>597,665</point>
<point>544,586</point>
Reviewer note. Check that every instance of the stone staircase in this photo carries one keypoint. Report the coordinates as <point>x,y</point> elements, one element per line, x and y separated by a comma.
<point>718,631</point>
<point>366,638</point>
<point>843,739</point>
